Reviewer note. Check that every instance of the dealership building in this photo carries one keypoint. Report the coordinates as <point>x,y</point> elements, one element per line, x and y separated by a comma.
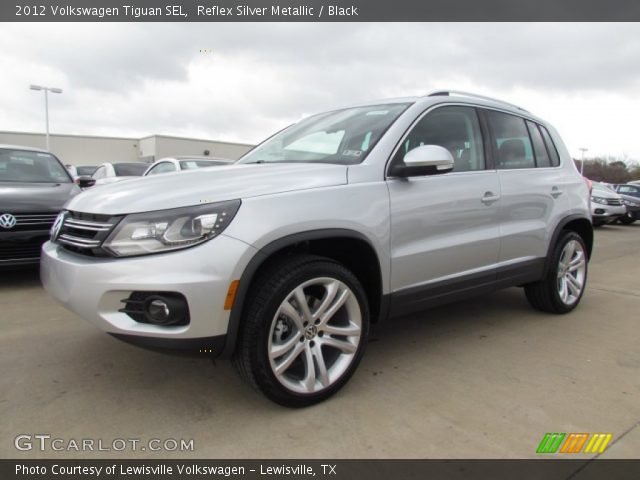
<point>94,150</point>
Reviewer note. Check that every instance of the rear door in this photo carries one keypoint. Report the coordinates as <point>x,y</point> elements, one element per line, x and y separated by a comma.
<point>444,228</point>
<point>533,192</point>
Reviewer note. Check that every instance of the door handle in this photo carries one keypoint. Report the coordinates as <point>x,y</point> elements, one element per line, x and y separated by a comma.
<point>489,198</point>
<point>555,192</point>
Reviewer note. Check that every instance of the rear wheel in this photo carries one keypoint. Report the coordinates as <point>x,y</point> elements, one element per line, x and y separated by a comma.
<point>304,330</point>
<point>561,290</point>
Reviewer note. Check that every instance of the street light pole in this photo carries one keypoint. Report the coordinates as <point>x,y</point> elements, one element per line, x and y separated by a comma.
<point>582,150</point>
<point>46,105</point>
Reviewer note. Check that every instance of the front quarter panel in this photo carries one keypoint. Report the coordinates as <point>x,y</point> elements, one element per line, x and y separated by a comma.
<point>362,208</point>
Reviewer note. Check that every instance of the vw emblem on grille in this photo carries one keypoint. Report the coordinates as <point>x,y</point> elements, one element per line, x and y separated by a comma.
<point>57,226</point>
<point>7,221</point>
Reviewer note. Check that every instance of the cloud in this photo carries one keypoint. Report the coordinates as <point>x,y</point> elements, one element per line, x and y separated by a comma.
<point>253,79</point>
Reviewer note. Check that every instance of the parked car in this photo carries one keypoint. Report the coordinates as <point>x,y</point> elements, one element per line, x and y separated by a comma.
<point>631,198</point>
<point>34,186</point>
<point>176,164</point>
<point>347,218</point>
<point>606,205</point>
<point>86,170</point>
<point>112,173</point>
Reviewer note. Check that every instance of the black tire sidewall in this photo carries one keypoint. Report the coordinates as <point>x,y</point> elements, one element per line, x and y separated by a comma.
<point>264,375</point>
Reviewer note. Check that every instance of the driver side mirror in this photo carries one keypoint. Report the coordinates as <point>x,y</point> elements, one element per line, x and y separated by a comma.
<point>425,160</point>
<point>85,181</point>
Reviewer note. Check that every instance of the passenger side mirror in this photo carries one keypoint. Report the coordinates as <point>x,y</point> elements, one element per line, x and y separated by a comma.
<point>425,160</point>
<point>85,181</point>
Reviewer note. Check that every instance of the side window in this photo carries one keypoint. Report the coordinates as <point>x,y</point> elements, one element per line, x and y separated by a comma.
<point>101,172</point>
<point>164,167</point>
<point>455,128</point>
<point>513,146</point>
<point>539,149</point>
<point>551,148</point>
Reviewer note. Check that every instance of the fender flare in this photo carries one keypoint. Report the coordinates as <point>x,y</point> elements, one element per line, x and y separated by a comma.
<point>265,253</point>
<point>556,234</point>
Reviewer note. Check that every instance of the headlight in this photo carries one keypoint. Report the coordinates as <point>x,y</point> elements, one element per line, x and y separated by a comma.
<point>599,200</point>
<point>166,230</point>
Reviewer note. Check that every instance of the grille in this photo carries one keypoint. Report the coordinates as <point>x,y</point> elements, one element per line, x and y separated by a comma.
<point>614,201</point>
<point>27,222</point>
<point>23,250</point>
<point>84,233</point>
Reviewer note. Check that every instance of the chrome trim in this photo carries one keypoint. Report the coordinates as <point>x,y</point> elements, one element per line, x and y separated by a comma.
<point>78,242</point>
<point>86,225</point>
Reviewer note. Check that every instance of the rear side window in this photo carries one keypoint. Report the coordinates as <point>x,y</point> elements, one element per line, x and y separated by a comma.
<point>539,148</point>
<point>551,148</point>
<point>512,144</point>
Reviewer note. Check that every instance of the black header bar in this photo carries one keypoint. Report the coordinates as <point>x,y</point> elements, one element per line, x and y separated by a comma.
<point>319,10</point>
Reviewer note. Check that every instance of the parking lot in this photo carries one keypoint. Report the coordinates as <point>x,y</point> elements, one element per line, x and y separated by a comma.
<point>486,378</point>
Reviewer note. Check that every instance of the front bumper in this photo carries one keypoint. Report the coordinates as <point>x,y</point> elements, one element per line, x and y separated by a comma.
<point>94,287</point>
<point>602,213</point>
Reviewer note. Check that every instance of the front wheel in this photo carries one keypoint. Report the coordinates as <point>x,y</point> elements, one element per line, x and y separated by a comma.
<point>561,290</point>
<point>627,219</point>
<point>304,330</point>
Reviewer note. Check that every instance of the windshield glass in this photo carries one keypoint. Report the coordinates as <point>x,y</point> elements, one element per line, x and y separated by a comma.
<point>31,167</point>
<point>342,136</point>
<point>130,169</point>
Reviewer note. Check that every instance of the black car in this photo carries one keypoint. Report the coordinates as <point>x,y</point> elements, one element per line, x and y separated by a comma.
<point>631,198</point>
<point>34,186</point>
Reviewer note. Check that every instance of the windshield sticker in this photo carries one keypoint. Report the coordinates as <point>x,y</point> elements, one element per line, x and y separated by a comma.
<point>377,112</point>
<point>352,153</point>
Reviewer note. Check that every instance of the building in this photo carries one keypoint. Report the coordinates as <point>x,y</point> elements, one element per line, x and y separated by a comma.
<point>94,150</point>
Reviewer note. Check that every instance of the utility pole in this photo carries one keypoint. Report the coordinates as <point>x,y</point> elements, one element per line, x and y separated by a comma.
<point>582,150</point>
<point>46,105</point>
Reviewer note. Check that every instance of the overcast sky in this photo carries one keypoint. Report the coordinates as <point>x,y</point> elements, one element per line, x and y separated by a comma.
<point>242,82</point>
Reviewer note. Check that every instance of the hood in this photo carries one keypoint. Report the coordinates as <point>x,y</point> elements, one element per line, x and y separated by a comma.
<point>630,198</point>
<point>206,185</point>
<point>604,193</point>
<point>18,197</point>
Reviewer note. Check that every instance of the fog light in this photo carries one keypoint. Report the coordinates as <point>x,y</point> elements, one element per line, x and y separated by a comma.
<point>157,308</point>
<point>165,310</point>
<point>158,311</point>
<point>599,211</point>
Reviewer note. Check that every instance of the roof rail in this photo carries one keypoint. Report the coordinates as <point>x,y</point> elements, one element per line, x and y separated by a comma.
<point>446,93</point>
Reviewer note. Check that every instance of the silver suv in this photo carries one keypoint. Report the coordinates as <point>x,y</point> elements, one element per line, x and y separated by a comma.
<point>345,219</point>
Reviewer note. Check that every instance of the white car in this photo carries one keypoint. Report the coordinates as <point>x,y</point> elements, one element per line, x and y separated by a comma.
<point>112,173</point>
<point>176,164</point>
<point>606,205</point>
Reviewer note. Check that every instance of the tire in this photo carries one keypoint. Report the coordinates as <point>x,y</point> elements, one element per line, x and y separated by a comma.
<point>562,288</point>
<point>627,219</point>
<point>282,344</point>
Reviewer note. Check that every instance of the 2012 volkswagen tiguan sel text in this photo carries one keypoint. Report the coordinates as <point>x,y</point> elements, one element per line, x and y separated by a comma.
<point>34,186</point>
<point>350,217</point>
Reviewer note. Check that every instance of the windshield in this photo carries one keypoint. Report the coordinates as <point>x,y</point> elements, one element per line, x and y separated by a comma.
<point>130,169</point>
<point>342,136</point>
<point>86,170</point>
<point>25,166</point>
